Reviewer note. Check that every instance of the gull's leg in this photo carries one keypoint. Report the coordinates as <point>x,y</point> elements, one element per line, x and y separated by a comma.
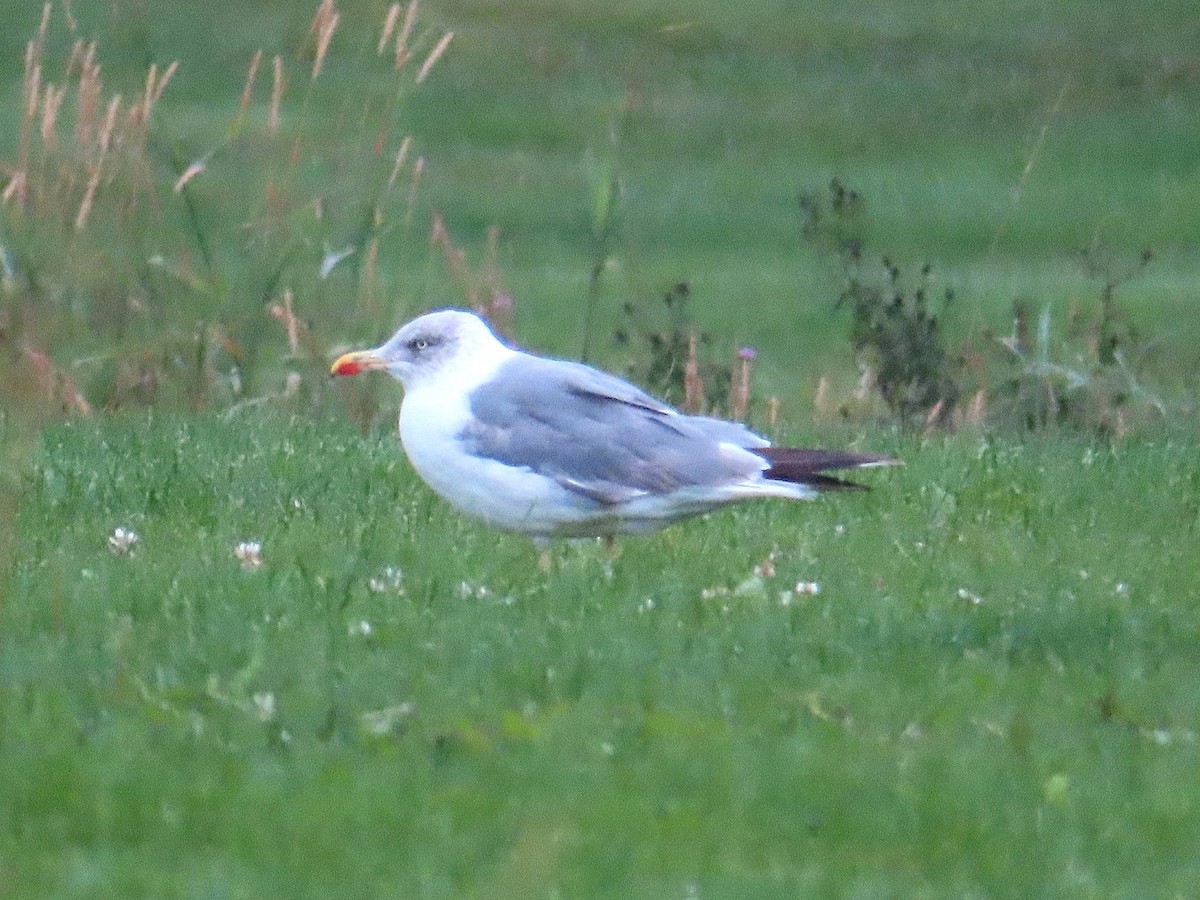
<point>543,548</point>
<point>611,550</point>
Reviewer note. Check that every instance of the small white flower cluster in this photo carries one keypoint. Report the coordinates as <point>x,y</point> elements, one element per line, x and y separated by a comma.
<point>390,581</point>
<point>249,554</point>
<point>766,568</point>
<point>389,720</point>
<point>1165,737</point>
<point>467,591</point>
<point>802,589</point>
<point>264,705</point>
<point>969,597</point>
<point>122,541</point>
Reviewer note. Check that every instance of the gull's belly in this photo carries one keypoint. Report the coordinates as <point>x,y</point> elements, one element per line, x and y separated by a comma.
<point>509,497</point>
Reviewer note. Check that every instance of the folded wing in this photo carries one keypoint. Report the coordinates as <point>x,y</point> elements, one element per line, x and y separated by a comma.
<point>599,436</point>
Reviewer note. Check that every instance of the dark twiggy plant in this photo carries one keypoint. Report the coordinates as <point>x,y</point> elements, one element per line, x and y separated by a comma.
<point>894,331</point>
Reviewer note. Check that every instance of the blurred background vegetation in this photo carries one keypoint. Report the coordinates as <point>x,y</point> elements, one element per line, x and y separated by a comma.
<point>566,167</point>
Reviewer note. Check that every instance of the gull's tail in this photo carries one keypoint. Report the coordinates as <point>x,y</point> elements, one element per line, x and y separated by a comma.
<point>803,466</point>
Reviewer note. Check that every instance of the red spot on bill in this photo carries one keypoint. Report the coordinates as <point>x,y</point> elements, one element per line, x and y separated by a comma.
<point>348,364</point>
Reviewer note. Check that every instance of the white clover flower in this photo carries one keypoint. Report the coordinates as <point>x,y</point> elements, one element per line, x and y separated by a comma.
<point>264,705</point>
<point>122,541</point>
<point>249,553</point>
<point>969,596</point>
<point>382,722</point>
<point>391,580</point>
<point>766,569</point>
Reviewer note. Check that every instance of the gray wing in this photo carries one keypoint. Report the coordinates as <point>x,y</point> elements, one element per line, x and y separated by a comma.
<point>599,436</point>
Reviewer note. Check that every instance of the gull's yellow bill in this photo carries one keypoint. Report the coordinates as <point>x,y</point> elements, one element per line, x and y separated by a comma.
<point>356,362</point>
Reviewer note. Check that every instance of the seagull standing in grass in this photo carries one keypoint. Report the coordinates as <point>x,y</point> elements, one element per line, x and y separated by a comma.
<point>552,448</point>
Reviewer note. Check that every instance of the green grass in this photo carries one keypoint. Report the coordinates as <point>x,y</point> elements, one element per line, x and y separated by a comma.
<point>172,724</point>
<point>993,694</point>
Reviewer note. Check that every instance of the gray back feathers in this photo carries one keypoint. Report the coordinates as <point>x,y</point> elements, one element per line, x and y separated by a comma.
<point>599,436</point>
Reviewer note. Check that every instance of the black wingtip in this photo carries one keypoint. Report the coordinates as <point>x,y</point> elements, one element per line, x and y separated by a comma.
<point>808,466</point>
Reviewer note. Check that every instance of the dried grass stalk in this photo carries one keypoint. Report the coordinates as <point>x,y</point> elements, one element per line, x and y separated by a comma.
<point>162,84</point>
<point>16,188</point>
<point>32,85</point>
<point>455,258</point>
<point>976,411</point>
<point>693,385</point>
<point>18,182</point>
<point>739,387</point>
<point>286,314</point>
<point>403,54</point>
<point>933,418</point>
<point>499,306</point>
<point>819,398</point>
<point>85,206</point>
<point>73,59</point>
<point>401,155</point>
<point>434,55</point>
<point>418,168</point>
<point>54,384</point>
<point>248,89</point>
<point>104,138</point>
<point>87,98</point>
<point>324,36</point>
<point>188,174</point>
<point>389,25</point>
<point>52,99</point>
<point>481,288</point>
<point>45,24</point>
<point>323,14</point>
<point>276,98</point>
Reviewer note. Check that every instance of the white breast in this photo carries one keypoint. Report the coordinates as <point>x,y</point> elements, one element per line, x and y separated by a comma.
<point>432,417</point>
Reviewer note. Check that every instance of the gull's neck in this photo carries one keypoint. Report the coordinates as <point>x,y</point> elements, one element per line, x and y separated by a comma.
<point>437,406</point>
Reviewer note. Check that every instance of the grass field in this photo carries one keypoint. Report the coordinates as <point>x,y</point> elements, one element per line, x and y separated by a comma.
<point>992,692</point>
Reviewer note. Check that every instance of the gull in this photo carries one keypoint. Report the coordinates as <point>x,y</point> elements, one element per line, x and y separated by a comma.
<point>552,448</point>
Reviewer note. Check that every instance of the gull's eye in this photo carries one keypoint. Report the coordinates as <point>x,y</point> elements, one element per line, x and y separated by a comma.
<point>418,344</point>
